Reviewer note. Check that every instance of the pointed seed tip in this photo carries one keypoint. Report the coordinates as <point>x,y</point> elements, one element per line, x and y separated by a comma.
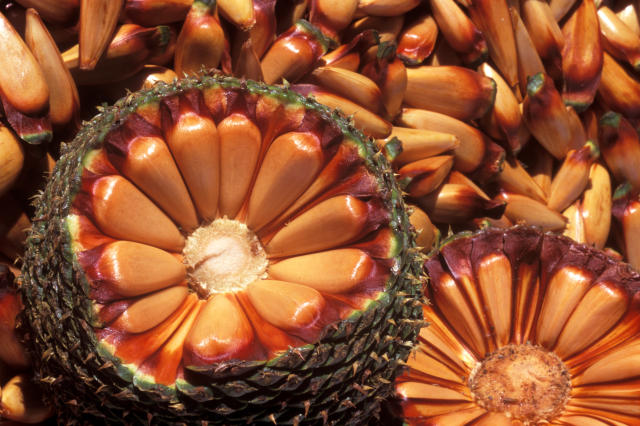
<point>593,148</point>
<point>622,190</point>
<point>610,119</point>
<point>535,83</point>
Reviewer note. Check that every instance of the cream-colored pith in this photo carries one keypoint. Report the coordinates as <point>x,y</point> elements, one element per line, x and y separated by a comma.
<point>525,382</point>
<point>224,256</point>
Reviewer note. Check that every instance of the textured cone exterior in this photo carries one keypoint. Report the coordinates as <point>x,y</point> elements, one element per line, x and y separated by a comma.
<point>338,379</point>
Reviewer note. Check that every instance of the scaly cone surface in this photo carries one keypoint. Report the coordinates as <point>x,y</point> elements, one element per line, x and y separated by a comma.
<point>220,250</point>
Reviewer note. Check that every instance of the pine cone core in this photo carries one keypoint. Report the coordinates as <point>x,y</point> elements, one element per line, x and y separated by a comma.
<point>224,256</point>
<point>526,382</point>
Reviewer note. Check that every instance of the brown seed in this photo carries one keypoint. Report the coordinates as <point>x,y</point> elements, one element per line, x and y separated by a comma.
<point>389,72</point>
<point>626,208</point>
<point>23,401</point>
<point>288,306</point>
<point>98,20</point>
<point>595,207</point>
<point>424,176</point>
<point>386,7</point>
<point>263,32</point>
<point>494,275</point>
<point>247,63</point>
<point>455,203</point>
<point>469,154</point>
<point>370,123</point>
<point>575,223</point>
<point>193,139</point>
<point>572,177</point>
<point>129,50</point>
<point>22,81</point>
<point>619,89</point>
<point>529,62</point>
<point>420,143</point>
<point>54,11</point>
<point>239,12</point>
<point>417,40</point>
<point>64,101</point>
<point>150,13</point>
<point>590,119</point>
<point>335,170</point>
<point>393,87</point>
<point>136,348</point>
<point>147,161</point>
<point>221,331</point>
<point>620,148</point>
<point>514,178</point>
<point>459,31</point>
<point>332,16</point>
<point>201,40</point>
<point>120,210</point>
<point>349,84</point>
<point>560,302</point>
<point>619,362</point>
<point>289,166</point>
<point>341,57</point>
<point>455,91</point>
<point>332,271</point>
<point>150,310</point>
<point>545,33</point>
<point>293,53</point>
<point>522,209</point>
<point>629,15</point>
<point>240,142</point>
<point>388,28</point>
<point>347,55</point>
<point>155,73</point>
<point>12,351</point>
<point>491,164</point>
<point>494,21</point>
<point>132,269</point>
<point>426,232</point>
<point>547,117</point>
<point>172,350</point>
<point>505,118</point>
<point>11,159</point>
<point>559,8</point>
<point>458,178</point>
<point>329,224</point>
<point>619,40</point>
<point>581,57</point>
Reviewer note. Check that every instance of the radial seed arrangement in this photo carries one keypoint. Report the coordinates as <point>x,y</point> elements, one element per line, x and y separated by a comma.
<point>525,328</point>
<point>482,114</point>
<point>237,252</point>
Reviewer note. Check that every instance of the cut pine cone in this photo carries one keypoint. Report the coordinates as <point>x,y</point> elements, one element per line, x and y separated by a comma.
<point>524,328</point>
<point>227,227</point>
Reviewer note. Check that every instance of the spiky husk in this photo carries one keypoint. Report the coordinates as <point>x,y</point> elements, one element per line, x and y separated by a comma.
<point>340,379</point>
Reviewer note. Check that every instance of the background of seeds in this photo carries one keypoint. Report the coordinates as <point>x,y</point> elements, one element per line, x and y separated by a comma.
<point>494,112</point>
